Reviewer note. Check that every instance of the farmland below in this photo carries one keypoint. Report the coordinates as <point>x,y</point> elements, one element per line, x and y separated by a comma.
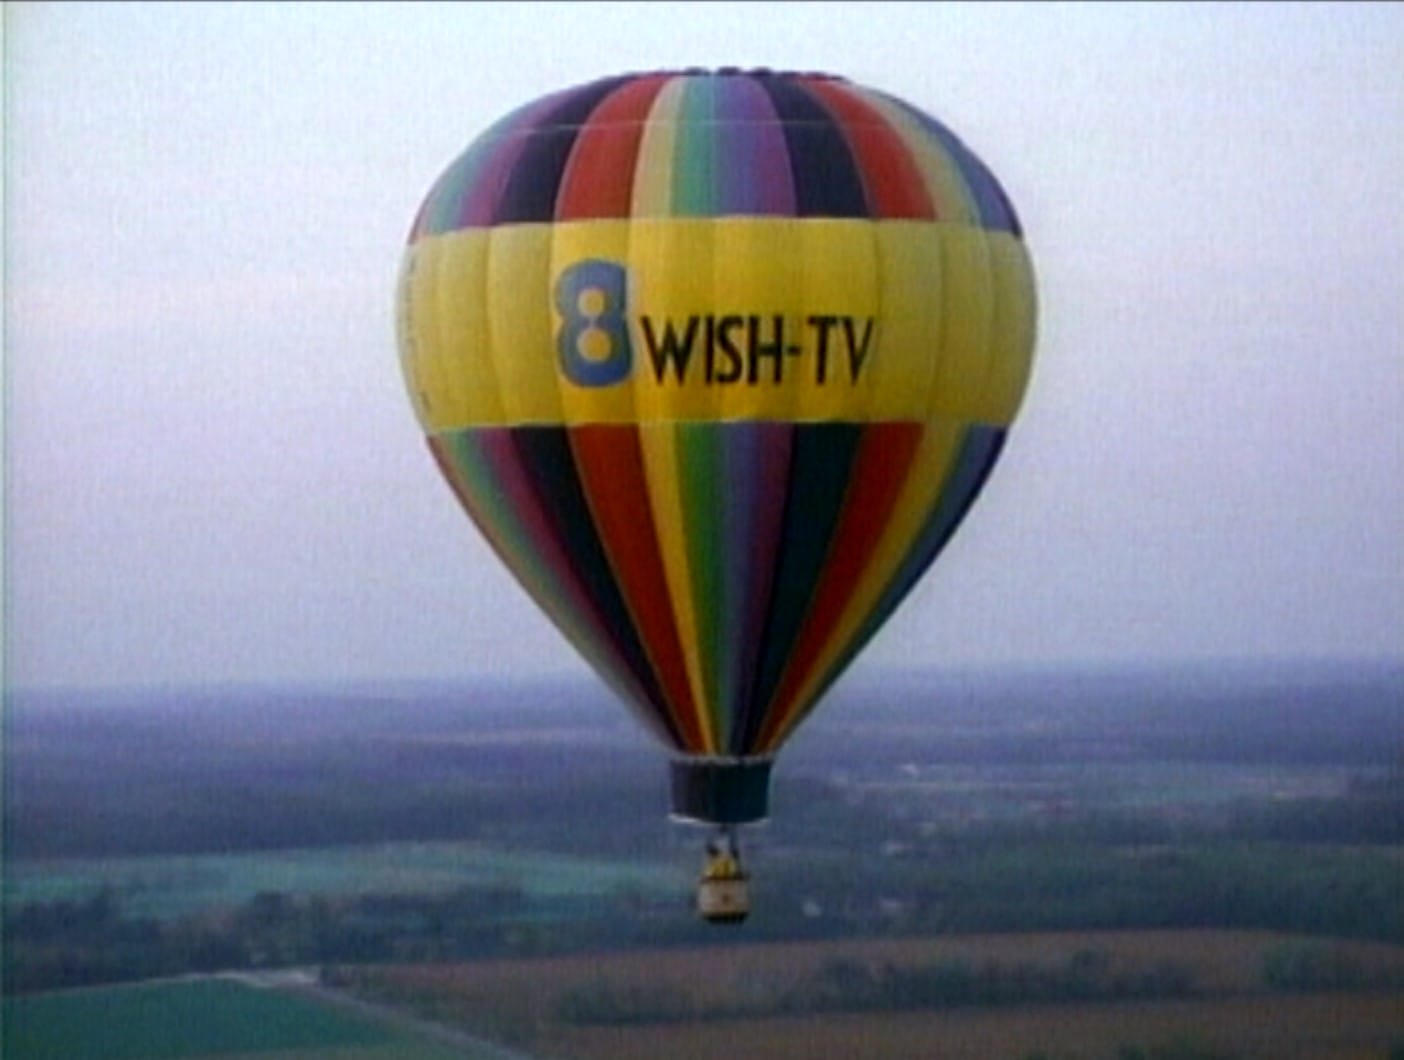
<point>1093,994</point>
<point>404,838</point>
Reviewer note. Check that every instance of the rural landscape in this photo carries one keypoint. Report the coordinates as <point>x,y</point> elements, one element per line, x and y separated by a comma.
<point>1173,863</point>
<point>395,391</point>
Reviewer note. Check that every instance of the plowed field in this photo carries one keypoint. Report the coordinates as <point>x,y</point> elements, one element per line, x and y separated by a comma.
<point>724,991</point>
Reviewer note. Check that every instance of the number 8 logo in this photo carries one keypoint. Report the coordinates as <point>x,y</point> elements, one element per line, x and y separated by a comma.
<point>592,345</point>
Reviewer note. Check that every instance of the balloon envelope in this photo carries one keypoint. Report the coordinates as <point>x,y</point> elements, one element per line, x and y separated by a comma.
<point>717,362</point>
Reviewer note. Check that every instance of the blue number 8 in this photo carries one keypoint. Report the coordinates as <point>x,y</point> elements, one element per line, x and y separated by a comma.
<point>592,345</point>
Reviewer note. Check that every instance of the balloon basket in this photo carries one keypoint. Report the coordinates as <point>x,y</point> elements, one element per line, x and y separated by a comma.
<point>724,901</point>
<point>723,889</point>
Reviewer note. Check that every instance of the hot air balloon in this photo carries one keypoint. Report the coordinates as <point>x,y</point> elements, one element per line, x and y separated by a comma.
<point>717,361</point>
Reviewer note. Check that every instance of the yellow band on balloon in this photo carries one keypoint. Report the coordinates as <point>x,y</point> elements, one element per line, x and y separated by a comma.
<point>731,318</point>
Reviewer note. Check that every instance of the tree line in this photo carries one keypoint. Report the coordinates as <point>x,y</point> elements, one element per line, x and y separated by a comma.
<point>849,985</point>
<point>799,894</point>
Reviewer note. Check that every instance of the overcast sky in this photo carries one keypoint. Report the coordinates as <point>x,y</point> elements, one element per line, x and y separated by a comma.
<point>212,472</point>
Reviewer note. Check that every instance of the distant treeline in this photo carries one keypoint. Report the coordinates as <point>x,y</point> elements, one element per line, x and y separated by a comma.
<point>62,944</point>
<point>214,775</point>
<point>801,894</point>
<point>250,771</point>
<point>847,985</point>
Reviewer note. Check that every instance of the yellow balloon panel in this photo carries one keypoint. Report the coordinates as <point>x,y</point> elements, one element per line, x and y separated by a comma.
<point>716,319</point>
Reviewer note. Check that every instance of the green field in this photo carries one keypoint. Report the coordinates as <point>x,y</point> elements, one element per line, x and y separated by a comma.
<point>168,886</point>
<point>190,1018</point>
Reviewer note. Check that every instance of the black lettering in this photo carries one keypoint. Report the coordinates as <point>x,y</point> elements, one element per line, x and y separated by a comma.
<point>669,350</point>
<point>821,326</point>
<point>730,352</point>
<point>774,350</point>
<point>710,343</point>
<point>857,351</point>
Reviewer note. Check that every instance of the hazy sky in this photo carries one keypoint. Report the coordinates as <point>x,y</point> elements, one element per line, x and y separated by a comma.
<point>212,472</point>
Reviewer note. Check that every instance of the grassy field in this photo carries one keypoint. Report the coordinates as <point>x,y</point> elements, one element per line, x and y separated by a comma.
<point>184,1019</point>
<point>716,1002</point>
